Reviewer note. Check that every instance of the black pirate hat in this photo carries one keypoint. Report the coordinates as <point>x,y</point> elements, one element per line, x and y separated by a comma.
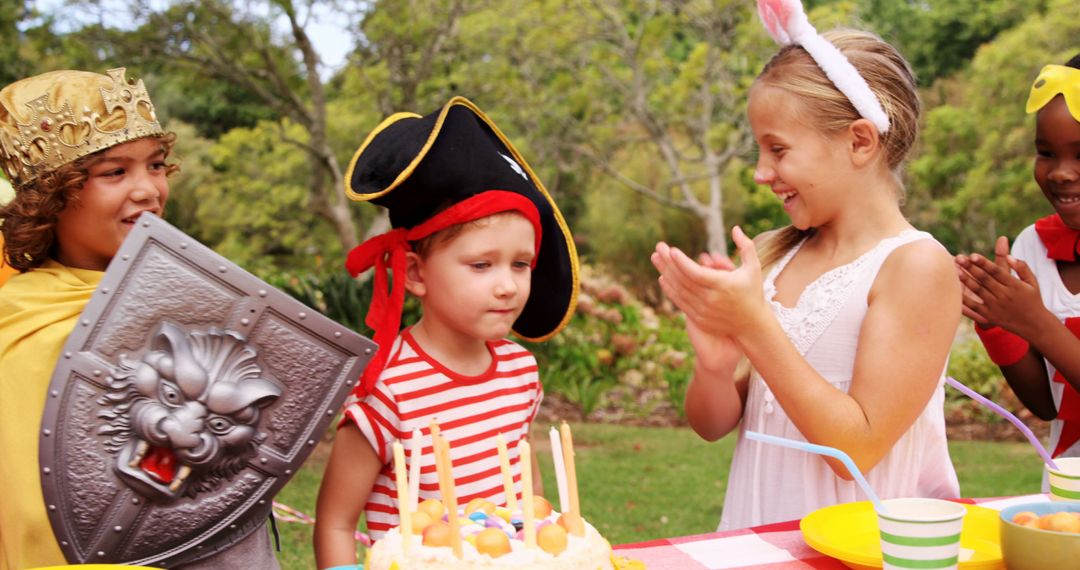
<point>418,167</point>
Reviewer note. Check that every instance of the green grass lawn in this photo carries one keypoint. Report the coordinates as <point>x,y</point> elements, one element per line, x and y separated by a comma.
<point>641,483</point>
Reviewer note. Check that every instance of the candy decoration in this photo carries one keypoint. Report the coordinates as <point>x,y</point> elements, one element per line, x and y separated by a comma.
<point>552,539</point>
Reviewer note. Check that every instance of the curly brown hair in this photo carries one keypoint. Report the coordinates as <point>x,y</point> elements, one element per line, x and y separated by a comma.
<point>29,220</point>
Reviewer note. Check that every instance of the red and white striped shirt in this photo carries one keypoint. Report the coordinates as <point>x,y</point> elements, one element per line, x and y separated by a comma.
<point>470,410</point>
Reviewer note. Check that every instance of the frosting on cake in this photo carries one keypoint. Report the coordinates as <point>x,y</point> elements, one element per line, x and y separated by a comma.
<point>588,552</point>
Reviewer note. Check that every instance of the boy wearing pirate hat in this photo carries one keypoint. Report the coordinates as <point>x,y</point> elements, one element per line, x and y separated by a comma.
<point>483,246</point>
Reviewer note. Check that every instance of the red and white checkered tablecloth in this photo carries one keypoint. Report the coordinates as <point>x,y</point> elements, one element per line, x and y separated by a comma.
<point>777,546</point>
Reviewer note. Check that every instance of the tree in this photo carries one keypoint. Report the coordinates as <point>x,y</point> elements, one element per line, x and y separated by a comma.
<point>972,181</point>
<point>677,75</point>
<point>13,66</point>
<point>940,37</point>
<point>236,43</point>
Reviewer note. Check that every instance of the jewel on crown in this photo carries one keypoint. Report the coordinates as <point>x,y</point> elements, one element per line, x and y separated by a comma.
<point>55,137</point>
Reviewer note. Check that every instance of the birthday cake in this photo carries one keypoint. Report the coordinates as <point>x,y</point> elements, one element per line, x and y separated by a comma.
<point>490,539</point>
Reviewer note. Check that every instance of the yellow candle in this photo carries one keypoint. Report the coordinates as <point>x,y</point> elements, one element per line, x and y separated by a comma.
<point>403,496</point>
<point>446,487</point>
<point>508,476</point>
<point>576,526</point>
<point>528,514</point>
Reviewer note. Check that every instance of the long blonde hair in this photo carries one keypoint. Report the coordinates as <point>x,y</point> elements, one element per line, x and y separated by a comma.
<point>823,106</point>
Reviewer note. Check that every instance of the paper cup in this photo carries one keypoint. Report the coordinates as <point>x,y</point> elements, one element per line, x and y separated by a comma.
<point>1065,480</point>
<point>920,533</point>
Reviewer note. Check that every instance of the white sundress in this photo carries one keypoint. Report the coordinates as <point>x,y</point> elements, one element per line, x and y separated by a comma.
<point>769,483</point>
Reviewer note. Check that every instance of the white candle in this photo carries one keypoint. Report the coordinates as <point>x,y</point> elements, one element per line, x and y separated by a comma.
<point>528,513</point>
<point>403,496</point>
<point>560,470</point>
<point>415,456</point>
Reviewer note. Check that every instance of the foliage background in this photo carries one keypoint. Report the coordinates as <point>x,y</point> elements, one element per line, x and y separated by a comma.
<point>631,111</point>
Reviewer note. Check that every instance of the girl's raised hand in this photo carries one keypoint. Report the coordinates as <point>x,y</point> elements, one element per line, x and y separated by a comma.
<point>721,299</point>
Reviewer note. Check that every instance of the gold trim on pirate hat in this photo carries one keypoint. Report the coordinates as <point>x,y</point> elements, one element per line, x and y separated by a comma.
<point>417,166</point>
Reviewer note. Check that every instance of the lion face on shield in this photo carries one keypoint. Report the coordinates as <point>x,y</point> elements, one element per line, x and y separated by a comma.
<point>185,417</point>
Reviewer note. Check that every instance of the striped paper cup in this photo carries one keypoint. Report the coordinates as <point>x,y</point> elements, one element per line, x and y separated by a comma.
<point>1065,480</point>
<point>920,533</point>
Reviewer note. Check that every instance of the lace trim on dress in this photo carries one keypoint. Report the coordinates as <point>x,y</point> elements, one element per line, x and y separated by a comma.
<point>823,298</point>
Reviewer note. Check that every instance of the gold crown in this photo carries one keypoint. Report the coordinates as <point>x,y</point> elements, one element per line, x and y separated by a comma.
<point>52,119</point>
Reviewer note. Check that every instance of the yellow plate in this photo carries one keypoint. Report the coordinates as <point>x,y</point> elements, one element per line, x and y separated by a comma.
<point>849,533</point>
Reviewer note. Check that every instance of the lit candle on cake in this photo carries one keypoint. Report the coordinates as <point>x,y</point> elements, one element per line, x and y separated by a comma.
<point>446,486</point>
<point>403,497</point>
<point>528,514</point>
<point>560,469</point>
<point>574,523</point>
<point>508,476</point>
<point>415,456</point>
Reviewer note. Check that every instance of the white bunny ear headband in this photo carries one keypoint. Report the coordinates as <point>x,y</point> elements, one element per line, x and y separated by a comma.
<point>787,23</point>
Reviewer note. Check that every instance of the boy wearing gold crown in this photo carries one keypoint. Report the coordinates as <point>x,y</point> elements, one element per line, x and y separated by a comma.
<point>87,156</point>
<point>1027,303</point>
<point>483,246</point>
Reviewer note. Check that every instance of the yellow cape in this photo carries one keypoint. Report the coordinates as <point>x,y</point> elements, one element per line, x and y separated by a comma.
<point>38,310</point>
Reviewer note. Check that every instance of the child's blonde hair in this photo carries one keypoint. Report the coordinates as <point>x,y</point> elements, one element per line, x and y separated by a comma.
<point>824,107</point>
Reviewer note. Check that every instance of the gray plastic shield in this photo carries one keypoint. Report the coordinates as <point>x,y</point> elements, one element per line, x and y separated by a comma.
<point>186,397</point>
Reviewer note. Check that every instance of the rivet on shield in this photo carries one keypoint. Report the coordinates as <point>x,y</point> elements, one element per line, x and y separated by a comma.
<point>222,269</point>
<point>54,393</point>
<point>52,507</point>
<point>245,322</point>
<point>97,373</point>
<point>47,470</point>
<point>67,355</point>
<point>118,528</point>
<point>146,224</point>
<point>47,432</point>
<point>105,290</point>
<point>125,257</point>
<point>302,315</point>
<point>183,245</point>
<point>337,334</point>
<point>367,351</point>
<point>262,292</point>
<point>85,323</point>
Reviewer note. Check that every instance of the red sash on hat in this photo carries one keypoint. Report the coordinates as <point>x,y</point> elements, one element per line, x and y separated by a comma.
<point>1062,242</point>
<point>1069,410</point>
<point>387,254</point>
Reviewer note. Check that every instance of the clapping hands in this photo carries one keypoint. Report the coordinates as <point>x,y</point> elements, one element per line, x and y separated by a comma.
<point>993,295</point>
